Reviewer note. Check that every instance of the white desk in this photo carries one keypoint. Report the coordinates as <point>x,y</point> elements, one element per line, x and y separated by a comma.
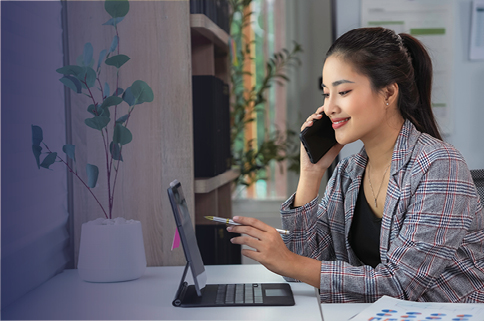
<point>67,297</point>
<point>341,311</point>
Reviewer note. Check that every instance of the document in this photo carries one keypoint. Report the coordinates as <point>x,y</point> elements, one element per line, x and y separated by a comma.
<point>388,308</point>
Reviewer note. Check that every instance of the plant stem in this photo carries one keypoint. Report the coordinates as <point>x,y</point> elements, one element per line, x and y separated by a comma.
<point>106,151</point>
<point>82,181</point>
<point>110,166</point>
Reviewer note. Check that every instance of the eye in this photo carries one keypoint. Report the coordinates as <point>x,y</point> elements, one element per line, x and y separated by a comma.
<point>343,93</point>
<point>325,95</point>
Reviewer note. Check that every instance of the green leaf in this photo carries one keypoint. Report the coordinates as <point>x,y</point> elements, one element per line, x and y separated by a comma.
<point>104,112</point>
<point>113,21</point>
<point>102,55</point>
<point>97,122</point>
<point>70,70</point>
<point>128,97</point>
<point>91,109</point>
<point>98,111</point>
<point>87,54</point>
<point>37,135</point>
<point>80,61</point>
<point>118,92</point>
<point>116,8</point>
<point>115,150</point>
<point>37,150</point>
<point>117,61</point>
<point>111,101</point>
<point>92,174</point>
<point>88,75</point>
<point>114,44</point>
<point>48,160</point>
<point>122,119</point>
<point>106,90</point>
<point>141,92</point>
<point>70,150</point>
<point>121,135</point>
<point>72,83</point>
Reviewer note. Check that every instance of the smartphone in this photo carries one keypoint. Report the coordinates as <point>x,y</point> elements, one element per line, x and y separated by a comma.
<point>318,138</point>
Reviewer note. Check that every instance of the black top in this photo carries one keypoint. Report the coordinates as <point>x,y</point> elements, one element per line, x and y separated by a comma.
<point>364,237</point>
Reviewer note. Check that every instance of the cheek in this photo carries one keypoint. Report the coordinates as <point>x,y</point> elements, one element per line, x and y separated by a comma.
<point>361,106</point>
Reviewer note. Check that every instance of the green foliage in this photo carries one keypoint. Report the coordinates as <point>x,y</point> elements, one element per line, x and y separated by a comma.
<point>253,157</point>
<point>81,78</point>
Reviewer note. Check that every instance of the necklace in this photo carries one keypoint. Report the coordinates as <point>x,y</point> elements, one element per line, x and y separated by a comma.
<point>371,187</point>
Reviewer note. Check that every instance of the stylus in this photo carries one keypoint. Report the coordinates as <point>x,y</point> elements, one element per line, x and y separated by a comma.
<point>229,221</point>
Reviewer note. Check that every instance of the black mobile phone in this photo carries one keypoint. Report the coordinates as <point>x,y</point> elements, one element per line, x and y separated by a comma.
<point>319,138</point>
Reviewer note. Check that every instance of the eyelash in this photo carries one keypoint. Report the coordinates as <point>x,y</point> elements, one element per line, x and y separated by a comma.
<point>342,93</point>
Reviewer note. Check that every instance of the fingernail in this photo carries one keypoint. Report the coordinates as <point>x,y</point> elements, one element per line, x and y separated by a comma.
<point>229,228</point>
<point>235,218</point>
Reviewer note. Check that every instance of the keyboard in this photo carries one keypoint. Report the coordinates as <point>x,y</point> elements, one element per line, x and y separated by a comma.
<point>249,293</point>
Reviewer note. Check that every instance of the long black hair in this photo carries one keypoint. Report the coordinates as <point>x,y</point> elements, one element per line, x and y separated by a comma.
<point>387,58</point>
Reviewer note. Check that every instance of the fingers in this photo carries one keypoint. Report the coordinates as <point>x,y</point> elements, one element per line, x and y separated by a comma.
<point>250,221</point>
<point>310,120</point>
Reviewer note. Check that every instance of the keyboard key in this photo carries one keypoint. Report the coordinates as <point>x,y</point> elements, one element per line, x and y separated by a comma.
<point>249,293</point>
<point>220,299</point>
<point>230,294</point>
<point>239,294</point>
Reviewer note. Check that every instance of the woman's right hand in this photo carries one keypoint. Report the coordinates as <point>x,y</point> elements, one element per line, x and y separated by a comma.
<point>312,174</point>
<point>325,162</point>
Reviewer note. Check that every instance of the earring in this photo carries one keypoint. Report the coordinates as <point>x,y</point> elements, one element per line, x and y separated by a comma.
<point>387,103</point>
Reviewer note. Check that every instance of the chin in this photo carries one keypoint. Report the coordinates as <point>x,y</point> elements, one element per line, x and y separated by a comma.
<point>344,140</point>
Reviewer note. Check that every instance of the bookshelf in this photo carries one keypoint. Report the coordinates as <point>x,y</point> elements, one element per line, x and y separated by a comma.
<point>213,195</point>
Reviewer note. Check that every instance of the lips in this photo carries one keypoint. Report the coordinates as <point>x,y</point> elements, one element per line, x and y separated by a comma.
<point>339,122</point>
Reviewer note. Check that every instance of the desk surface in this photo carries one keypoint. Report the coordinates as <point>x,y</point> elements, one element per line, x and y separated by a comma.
<point>67,297</point>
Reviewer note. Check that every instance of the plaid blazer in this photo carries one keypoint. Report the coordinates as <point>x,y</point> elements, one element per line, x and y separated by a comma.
<point>432,230</point>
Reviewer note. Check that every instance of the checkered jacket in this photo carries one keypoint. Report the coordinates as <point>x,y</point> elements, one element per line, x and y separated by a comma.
<point>432,230</point>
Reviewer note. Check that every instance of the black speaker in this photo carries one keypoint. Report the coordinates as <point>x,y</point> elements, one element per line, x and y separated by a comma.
<point>211,126</point>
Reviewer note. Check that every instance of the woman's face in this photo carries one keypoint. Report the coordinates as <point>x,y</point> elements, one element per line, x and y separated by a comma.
<point>357,111</point>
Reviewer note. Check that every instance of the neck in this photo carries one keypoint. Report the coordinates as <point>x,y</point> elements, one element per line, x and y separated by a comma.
<point>379,148</point>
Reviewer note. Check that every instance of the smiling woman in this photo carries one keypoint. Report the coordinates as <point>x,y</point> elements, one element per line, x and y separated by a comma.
<point>400,218</point>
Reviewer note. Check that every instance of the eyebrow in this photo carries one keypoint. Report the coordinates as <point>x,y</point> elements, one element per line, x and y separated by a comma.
<point>339,82</point>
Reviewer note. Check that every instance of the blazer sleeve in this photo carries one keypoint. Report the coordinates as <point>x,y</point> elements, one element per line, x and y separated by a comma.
<point>308,225</point>
<point>440,207</point>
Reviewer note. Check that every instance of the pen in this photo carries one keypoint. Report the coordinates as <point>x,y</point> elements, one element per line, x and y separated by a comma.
<point>229,221</point>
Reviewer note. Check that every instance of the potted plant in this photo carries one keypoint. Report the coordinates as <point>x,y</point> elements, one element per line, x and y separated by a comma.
<point>111,249</point>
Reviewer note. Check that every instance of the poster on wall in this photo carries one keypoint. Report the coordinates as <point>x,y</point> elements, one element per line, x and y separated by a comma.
<point>431,22</point>
<point>476,51</point>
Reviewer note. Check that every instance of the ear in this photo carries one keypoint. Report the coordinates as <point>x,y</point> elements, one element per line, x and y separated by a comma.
<point>390,93</point>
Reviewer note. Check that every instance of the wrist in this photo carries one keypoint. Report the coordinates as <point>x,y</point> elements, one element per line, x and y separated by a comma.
<point>305,269</point>
<point>307,189</point>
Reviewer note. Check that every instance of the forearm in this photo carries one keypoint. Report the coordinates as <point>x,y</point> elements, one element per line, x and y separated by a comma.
<point>305,269</point>
<point>307,188</point>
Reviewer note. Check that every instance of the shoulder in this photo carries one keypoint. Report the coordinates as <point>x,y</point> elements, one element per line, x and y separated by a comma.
<point>431,152</point>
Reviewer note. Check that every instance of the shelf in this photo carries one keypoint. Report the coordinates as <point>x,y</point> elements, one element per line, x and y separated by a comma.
<point>201,24</point>
<point>206,185</point>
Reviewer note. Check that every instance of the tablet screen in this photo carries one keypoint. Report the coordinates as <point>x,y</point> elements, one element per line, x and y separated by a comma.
<point>187,234</point>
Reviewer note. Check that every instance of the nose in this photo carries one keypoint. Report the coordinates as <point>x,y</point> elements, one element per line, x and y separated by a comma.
<point>330,107</point>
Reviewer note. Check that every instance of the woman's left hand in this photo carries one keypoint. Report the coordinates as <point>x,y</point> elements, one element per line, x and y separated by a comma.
<point>269,249</point>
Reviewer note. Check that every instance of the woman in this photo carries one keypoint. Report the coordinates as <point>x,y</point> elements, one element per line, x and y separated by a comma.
<point>400,218</point>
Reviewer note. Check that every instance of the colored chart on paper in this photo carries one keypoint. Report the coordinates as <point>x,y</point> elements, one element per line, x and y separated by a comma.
<point>391,309</point>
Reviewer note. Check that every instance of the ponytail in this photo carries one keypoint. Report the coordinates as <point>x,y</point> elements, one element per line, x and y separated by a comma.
<point>387,58</point>
<point>423,117</point>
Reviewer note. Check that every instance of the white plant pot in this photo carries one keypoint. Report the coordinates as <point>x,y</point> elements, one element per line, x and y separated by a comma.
<point>111,251</point>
